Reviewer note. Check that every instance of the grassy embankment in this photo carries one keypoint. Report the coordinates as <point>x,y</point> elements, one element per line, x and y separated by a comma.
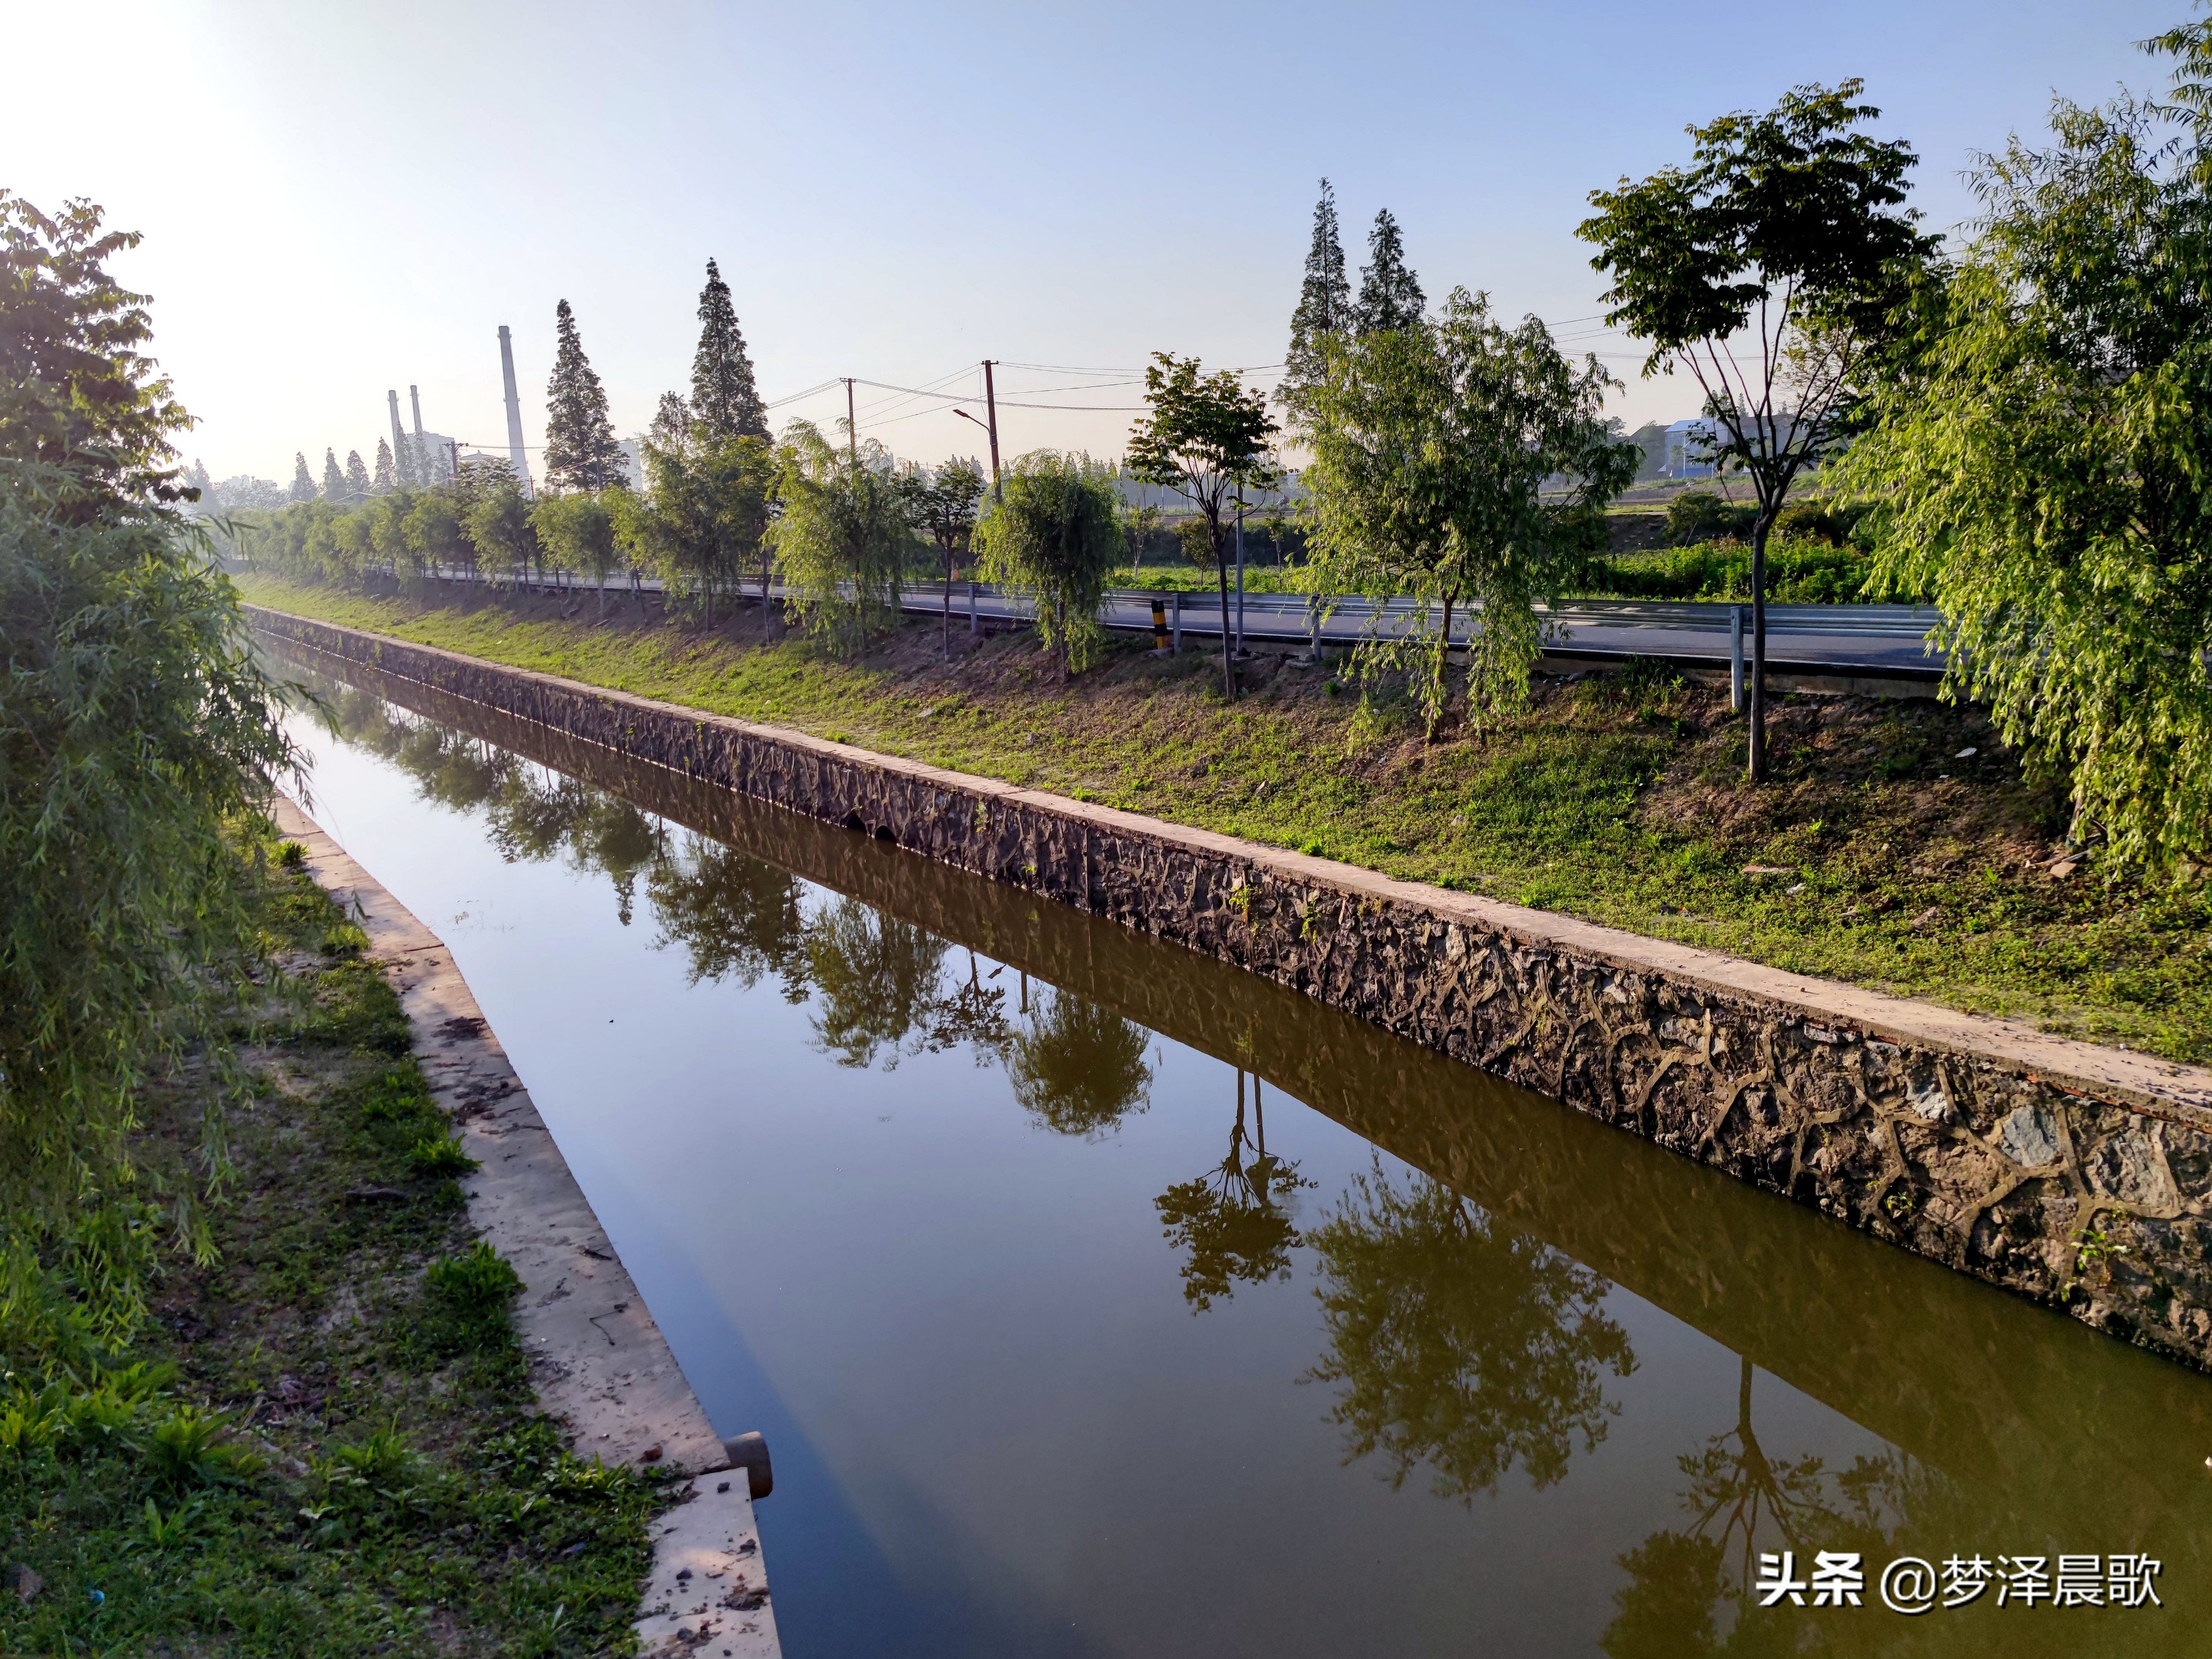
<point>1897,862</point>
<point>329,1444</point>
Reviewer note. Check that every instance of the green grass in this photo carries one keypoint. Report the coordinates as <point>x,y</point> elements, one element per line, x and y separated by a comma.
<point>1614,797</point>
<point>329,1445</point>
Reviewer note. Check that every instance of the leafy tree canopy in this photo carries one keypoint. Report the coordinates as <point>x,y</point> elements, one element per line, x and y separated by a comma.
<point>1431,446</point>
<point>1206,437</point>
<point>1057,536</point>
<point>1791,225</point>
<point>2039,462</point>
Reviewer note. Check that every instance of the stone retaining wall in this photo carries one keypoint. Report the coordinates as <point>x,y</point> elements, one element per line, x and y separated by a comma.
<point>2076,1175</point>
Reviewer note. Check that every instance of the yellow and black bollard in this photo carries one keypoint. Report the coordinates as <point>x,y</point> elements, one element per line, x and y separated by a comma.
<point>1159,629</point>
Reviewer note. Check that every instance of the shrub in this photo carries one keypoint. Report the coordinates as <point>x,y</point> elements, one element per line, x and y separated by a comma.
<point>1698,515</point>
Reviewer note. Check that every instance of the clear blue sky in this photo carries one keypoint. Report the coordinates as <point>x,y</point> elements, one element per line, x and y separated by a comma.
<point>340,199</point>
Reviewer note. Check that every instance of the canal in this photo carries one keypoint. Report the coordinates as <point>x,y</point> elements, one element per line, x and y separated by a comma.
<point>1097,1299</point>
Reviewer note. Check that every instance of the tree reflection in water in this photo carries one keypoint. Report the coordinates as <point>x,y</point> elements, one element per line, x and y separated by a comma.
<point>737,918</point>
<point>1233,1223</point>
<point>1458,1343</point>
<point>1079,1069</point>
<point>1683,1586</point>
<point>875,982</point>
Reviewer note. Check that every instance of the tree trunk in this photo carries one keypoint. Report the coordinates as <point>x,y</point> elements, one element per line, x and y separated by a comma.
<point>1443,674</point>
<point>1221,581</point>
<point>1755,766</point>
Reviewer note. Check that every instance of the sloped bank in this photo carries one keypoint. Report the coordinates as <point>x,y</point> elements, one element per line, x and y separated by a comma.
<point>597,1361</point>
<point>2075,1174</point>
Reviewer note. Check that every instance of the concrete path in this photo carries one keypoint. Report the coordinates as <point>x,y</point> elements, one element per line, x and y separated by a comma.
<point>598,1362</point>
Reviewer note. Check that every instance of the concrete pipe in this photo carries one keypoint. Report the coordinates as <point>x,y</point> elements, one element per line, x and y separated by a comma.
<point>749,1452</point>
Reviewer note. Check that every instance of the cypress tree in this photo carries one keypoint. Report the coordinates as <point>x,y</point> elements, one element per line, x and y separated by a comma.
<point>1324,302</point>
<point>303,482</point>
<point>1390,295</point>
<point>333,476</point>
<point>581,450</point>
<point>356,476</point>
<point>724,400</point>
<point>387,473</point>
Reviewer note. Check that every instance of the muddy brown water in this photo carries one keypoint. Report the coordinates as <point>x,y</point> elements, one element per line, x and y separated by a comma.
<point>1097,1298</point>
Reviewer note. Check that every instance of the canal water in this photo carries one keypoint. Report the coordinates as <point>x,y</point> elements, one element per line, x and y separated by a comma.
<point>1097,1299</point>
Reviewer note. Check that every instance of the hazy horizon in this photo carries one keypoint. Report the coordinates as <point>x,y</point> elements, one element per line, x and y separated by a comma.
<point>338,205</point>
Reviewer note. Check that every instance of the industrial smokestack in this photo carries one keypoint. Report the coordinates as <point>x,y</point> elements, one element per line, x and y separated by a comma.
<point>513,410</point>
<point>398,438</point>
<point>415,397</point>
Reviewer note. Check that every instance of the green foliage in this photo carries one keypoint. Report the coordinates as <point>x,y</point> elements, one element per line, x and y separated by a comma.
<point>1798,572</point>
<point>1461,1345</point>
<point>1325,304</point>
<point>706,514</point>
<point>78,395</point>
<point>1206,438</point>
<point>942,504</point>
<point>840,541</point>
<point>1698,515</point>
<point>1078,1068</point>
<point>1430,446</point>
<point>1056,537</point>
<point>1790,224</point>
<point>495,517</point>
<point>137,740</point>
<point>191,1447</point>
<point>724,400</point>
<point>1390,296</point>
<point>2040,465</point>
<point>577,532</point>
<point>475,1282</point>
<point>581,450</point>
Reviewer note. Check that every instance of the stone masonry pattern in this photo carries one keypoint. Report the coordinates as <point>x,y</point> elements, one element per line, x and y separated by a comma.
<point>2096,1206</point>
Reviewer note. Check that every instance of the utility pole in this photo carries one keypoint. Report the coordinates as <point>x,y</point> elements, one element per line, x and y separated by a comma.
<point>991,408</point>
<point>852,426</point>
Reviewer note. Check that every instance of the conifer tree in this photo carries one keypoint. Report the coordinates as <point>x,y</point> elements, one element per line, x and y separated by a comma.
<point>387,474</point>
<point>334,483</point>
<point>1390,296</point>
<point>356,476</point>
<point>303,482</point>
<point>581,450</point>
<point>1324,302</point>
<point>407,464</point>
<point>724,400</point>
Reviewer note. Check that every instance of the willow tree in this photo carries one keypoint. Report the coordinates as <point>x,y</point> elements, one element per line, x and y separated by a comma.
<point>1056,537</point>
<point>1432,446</point>
<point>839,538</point>
<point>2044,468</point>
<point>1769,271</point>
